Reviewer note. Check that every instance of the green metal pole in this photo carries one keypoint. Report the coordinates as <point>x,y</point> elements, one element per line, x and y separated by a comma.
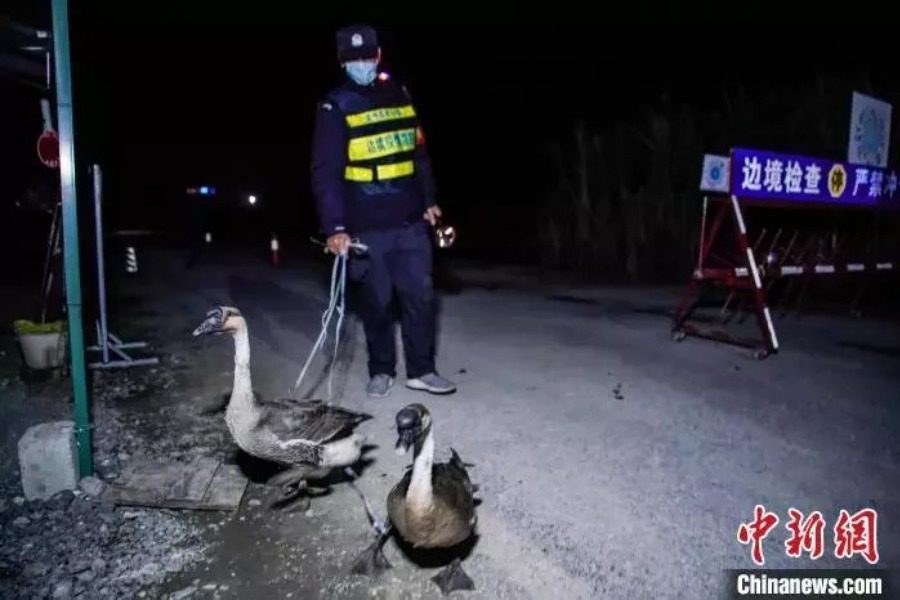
<point>67,171</point>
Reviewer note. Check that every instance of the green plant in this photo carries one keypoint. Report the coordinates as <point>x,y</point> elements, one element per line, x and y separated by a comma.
<point>26,327</point>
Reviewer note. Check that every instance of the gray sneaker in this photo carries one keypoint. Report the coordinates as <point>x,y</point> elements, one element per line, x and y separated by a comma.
<point>432,383</point>
<point>379,385</point>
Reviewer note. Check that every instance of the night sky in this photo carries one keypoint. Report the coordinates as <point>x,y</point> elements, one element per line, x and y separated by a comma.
<point>169,95</point>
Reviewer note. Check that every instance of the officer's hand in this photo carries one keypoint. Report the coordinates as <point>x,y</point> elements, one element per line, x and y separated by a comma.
<point>338,243</point>
<point>432,214</point>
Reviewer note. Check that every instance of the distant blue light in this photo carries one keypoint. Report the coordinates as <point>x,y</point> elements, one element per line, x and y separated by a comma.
<point>204,190</point>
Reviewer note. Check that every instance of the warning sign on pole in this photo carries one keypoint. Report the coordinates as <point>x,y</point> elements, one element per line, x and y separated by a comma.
<point>48,142</point>
<point>48,149</point>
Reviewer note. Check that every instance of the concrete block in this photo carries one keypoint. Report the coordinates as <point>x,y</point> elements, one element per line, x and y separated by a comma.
<point>48,460</point>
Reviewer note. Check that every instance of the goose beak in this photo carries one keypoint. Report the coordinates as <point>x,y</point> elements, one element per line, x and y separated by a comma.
<point>211,325</point>
<point>405,439</point>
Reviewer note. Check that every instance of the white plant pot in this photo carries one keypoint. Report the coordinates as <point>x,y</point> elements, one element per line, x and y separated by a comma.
<point>43,350</point>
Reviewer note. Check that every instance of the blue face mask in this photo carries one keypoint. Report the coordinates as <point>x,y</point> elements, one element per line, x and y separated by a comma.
<point>363,72</point>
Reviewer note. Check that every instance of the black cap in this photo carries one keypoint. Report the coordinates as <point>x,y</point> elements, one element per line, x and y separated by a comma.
<point>356,42</point>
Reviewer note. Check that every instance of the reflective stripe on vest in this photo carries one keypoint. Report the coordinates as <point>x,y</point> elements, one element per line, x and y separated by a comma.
<point>390,171</point>
<point>381,144</point>
<point>394,170</point>
<point>358,174</point>
<point>380,115</point>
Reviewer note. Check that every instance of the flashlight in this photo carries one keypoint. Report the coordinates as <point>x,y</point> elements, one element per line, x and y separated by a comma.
<point>444,234</point>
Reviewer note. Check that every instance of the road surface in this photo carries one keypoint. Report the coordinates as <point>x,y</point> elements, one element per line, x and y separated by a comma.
<point>612,462</point>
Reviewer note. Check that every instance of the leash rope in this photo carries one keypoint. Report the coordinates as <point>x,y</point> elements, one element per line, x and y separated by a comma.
<point>336,305</point>
<point>381,526</point>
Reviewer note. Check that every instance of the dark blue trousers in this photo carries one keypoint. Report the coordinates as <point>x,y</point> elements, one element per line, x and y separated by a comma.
<point>398,264</point>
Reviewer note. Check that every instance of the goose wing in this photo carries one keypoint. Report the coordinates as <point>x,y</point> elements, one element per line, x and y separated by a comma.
<point>451,483</point>
<point>311,420</point>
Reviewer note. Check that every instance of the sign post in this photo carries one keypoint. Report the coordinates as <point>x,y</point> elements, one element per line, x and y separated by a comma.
<point>70,233</point>
<point>107,342</point>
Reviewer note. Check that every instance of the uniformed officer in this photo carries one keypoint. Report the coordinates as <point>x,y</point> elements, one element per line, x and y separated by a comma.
<point>372,180</point>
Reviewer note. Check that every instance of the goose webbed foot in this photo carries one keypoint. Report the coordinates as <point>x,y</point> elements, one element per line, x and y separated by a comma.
<point>295,497</point>
<point>299,503</point>
<point>288,477</point>
<point>372,561</point>
<point>453,578</point>
<point>295,491</point>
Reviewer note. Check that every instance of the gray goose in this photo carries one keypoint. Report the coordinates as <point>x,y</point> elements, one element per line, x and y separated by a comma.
<point>309,437</point>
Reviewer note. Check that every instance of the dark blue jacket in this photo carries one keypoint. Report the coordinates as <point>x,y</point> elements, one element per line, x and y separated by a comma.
<point>356,206</point>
